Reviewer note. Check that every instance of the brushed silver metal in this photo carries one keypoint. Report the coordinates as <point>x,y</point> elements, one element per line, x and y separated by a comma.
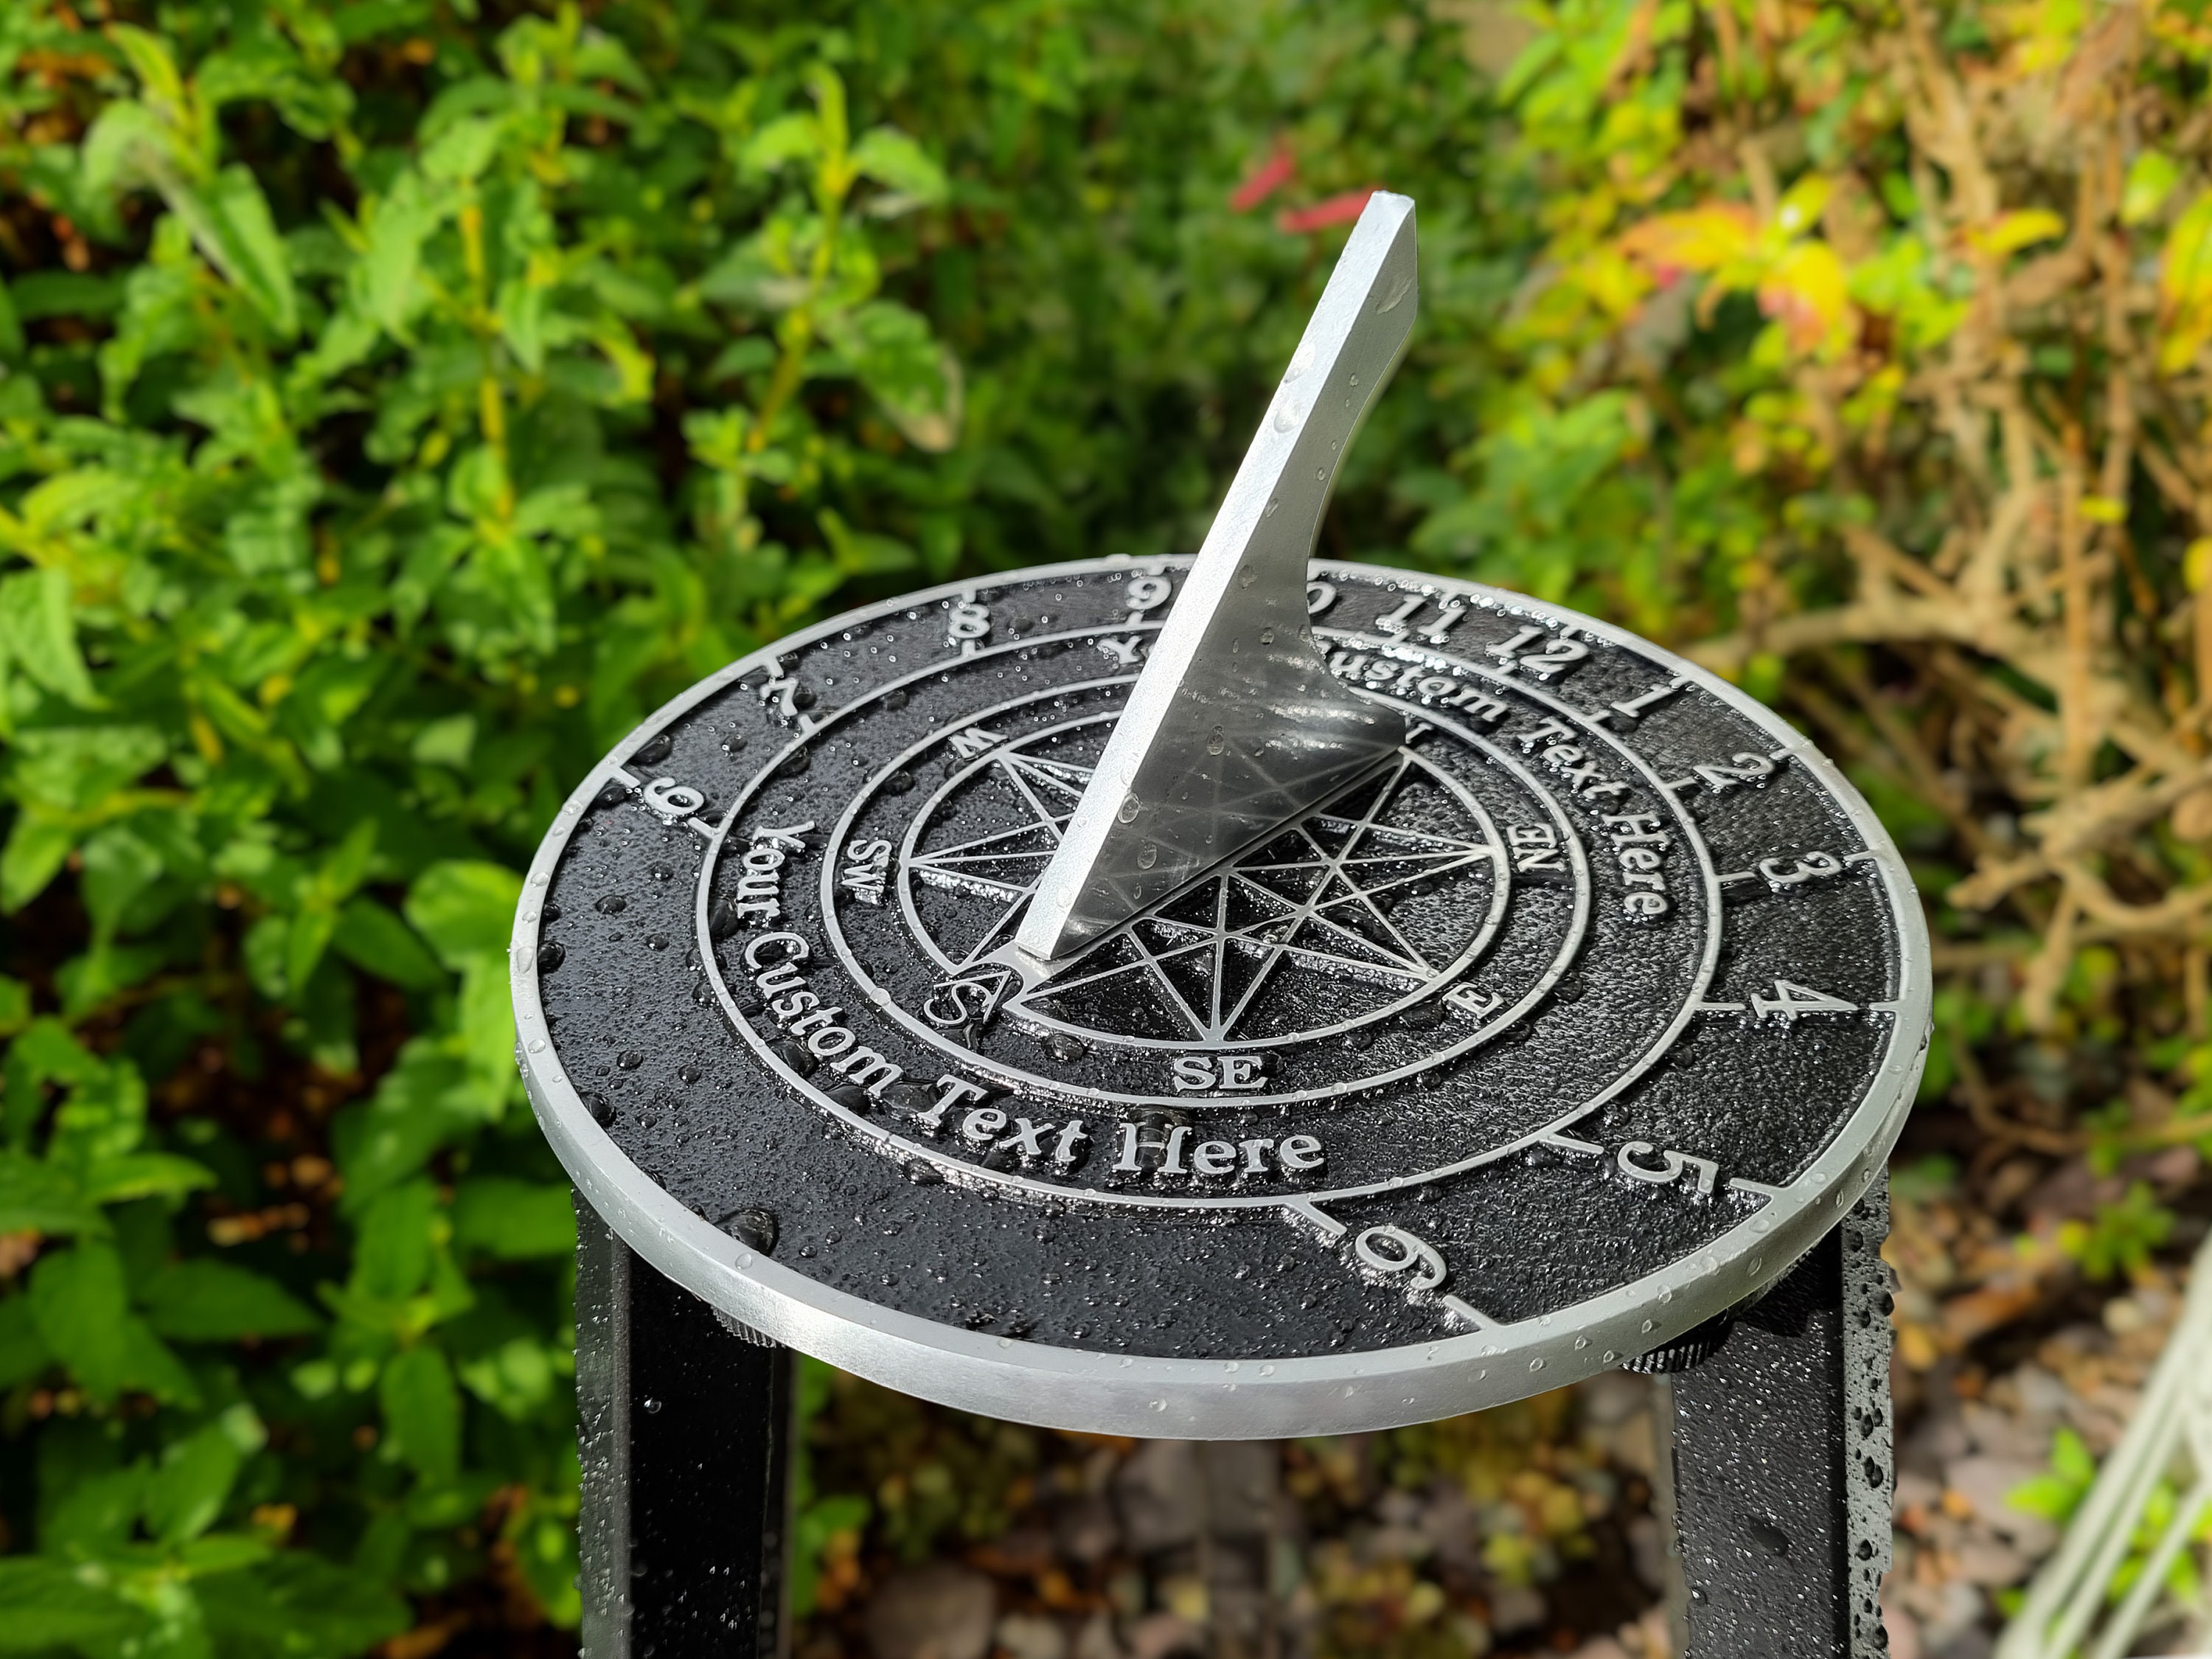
<point>1236,727</point>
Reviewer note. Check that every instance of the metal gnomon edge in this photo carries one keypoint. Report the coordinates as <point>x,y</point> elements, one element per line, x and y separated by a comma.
<point>1221,997</point>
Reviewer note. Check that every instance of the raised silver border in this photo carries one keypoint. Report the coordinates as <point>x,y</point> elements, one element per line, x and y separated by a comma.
<point>1215,1399</point>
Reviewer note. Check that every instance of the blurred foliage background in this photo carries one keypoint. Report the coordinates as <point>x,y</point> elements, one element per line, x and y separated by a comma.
<point>399,397</point>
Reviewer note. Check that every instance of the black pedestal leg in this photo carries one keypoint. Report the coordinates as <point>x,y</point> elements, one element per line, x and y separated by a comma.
<point>685,1428</point>
<point>1781,1468</point>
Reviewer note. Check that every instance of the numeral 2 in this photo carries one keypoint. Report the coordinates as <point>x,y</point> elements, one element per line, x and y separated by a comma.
<point>1558,655</point>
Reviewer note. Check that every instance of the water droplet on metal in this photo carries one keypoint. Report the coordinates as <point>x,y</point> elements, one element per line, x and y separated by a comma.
<point>1147,856</point>
<point>1129,808</point>
<point>751,1226</point>
<point>1216,741</point>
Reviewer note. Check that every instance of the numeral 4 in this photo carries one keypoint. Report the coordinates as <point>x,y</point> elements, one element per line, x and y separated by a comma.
<point>1792,1001</point>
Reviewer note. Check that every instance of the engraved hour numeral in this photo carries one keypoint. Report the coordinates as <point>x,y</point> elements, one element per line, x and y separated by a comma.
<point>1787,871</point>
<point>1735,772</point>
<point>1633,708</point>
<point>1435,631</point>
<point>967,625</point>
<point>1670,1169</point>
<point>1792,1001</point>
<point>1412,1263</point>
<point>1318,597</point>
<point>1149,593</point>
<point>1559,654</point>
<point>1781,874</point>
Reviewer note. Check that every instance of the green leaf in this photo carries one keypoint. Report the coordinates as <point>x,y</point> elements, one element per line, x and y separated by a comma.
<point>464,150</point>
<point>376,941</point>
<point>304,945</point>
<point>82,1313</point>
<point>423,1411</point>
<point>890,158</point>
<point>2044,1495</point>
<point>203,1300</point>
<point>35,1197</point>
<point>464,908</point>
<point>2070,1458</point>
<point>913,378</point>
<point>23,1351</point>
<point>38,632</point>
<point>13,1008</point>
<point>400,225</point>
<point>232,225</point>
<point>398,1234</point>
<point>96,1510</point>
<point>37,848</point>
<point>186,1490</point>
<point>512,1220</point>
<point>298,1606</point>
<point>42,294</point>
<point>119,867</point>
<point>73,768</point>
<point>793,137</point>
<point>45,1605</point>
<point>118,1178</point>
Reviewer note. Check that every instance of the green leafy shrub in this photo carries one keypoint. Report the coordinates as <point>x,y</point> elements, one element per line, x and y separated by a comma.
<point>397,405</point>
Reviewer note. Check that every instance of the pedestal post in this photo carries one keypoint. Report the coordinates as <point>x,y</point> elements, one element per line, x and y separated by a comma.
<point>685,1428</point>
<point>1780,1472</point>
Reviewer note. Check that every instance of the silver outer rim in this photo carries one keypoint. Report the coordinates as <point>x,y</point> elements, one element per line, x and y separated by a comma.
<point>1213,1398</point>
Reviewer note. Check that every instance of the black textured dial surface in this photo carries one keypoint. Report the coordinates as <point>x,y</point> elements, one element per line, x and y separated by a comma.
<point>1567,1028</point>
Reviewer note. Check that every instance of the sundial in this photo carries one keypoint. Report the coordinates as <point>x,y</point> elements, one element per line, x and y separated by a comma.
<point>1224,996</point>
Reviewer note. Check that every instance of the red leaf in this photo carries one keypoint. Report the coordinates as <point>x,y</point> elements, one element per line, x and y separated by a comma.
<point>1277,170</point>
<point>1336,210</point>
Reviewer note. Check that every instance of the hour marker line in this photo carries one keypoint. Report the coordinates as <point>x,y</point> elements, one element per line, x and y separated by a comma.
<point>1465,1312</point>
<point>1567,1143</point>
<point>1305,1210</point>
<point>1717,1007</point>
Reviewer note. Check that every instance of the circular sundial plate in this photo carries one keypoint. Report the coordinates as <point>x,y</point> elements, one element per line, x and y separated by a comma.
<point>1569,1027</point>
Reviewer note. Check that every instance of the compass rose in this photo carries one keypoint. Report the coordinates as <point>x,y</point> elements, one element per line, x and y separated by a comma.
<point>1365,889</point>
